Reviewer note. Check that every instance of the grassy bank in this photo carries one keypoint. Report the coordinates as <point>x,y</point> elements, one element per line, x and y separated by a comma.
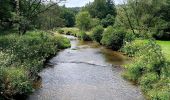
<point>165,45</point>
<point>22,57</point>
<point>150,67</point>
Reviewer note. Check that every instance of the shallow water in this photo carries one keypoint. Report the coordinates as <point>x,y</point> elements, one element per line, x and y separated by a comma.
<point>86,71</point>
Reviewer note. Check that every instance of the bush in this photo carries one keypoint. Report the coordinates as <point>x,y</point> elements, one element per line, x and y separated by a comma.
<point>22,57</point>
<point>83,36</point>
<point>15,81</point>
<point>129,37</point>
<point>147,80</point>
<point>61,31</point>
<point>113,38</point>
<point>160,90</point>
<point>95,22</point>
<point>147,68</point>
<point>108,21</point>
<point>97,33</point>
<point>148,59</point>
<point>131,48</point>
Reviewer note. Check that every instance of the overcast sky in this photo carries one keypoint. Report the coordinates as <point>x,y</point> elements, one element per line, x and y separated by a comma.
<point>80,3</point>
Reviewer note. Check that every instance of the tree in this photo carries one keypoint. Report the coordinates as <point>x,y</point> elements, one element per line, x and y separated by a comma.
<point>69,16</point>
<point>101,8</point>
<point>6,10</point>
<point>83,20</point>
<point>22,13</point>
<point>141,16</point>
<point>108,21</point>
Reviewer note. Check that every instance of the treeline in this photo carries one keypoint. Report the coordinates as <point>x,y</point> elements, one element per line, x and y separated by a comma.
<point>147,18</point>
<point>23,15</point>
<point>144,18</point>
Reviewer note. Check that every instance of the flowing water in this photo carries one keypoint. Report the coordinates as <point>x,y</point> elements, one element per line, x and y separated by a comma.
<point>85,71</point>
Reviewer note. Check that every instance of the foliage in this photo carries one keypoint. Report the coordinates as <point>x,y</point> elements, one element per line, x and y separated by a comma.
<point>83,36</point>
<point>131,48</point>
<point>101,8</point>
<point>160,90</point>
<point>147,68</point>
<point>147,80</point>
<point>97,33</point>
<point>69,16</point>
<point>95,22</point>
<point>70,31</point>
<point>15,81</point>
<point>60,31</point>
<point>83,20</point>
<point>113,38</point>
<point>149,59</point>
<point>108,21</point>
<point>22,57</point>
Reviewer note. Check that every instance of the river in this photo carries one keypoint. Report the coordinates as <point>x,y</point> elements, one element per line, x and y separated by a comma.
<point>85,71</point>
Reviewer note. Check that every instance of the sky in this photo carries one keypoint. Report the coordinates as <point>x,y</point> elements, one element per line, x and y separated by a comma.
<point>80,3</point>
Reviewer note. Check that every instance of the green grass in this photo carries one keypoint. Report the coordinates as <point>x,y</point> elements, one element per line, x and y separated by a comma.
<point>165,48</point>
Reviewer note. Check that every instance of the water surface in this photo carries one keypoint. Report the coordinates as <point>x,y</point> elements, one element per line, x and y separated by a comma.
<point>85,71</point>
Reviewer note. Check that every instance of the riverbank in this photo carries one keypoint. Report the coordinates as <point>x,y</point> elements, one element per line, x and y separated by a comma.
<point>22,57</point>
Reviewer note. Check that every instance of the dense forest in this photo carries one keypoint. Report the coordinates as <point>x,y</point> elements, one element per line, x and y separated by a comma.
<point>31,33</point>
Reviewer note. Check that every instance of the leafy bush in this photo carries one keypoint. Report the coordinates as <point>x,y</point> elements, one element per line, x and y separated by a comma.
<point>113,38</point>
<point>97,33</point>
<point>131,48</point>
<point>148,59</point>
<point>108,21</point>
<point>22,57</point>
<point>15,81</point>
<point>147,80</point>
<point>129,37</point>
<point>83,36</point>
<point>95,22</point>
<point>160,91</point>
<point>147,68</point>
<point>61,31</point>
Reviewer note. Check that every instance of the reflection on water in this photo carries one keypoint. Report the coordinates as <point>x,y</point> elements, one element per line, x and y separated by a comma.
<point>113,57</point>
<point>85,72</point>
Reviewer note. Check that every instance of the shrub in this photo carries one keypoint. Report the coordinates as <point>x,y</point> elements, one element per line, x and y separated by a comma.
<point>131,48</point>
<point>95,22</point>
<point>129,37</point>
<point>15,81</point>
<point>97,33</point>
<point>160,90</point>
<point>113,38</point>
<point>61,31</point>
<point>62,42</point>
<point>108,21</point>
<point>149,59</point>
<point>22,57</point>
<point>83,36</point>
<point>147,80</point>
